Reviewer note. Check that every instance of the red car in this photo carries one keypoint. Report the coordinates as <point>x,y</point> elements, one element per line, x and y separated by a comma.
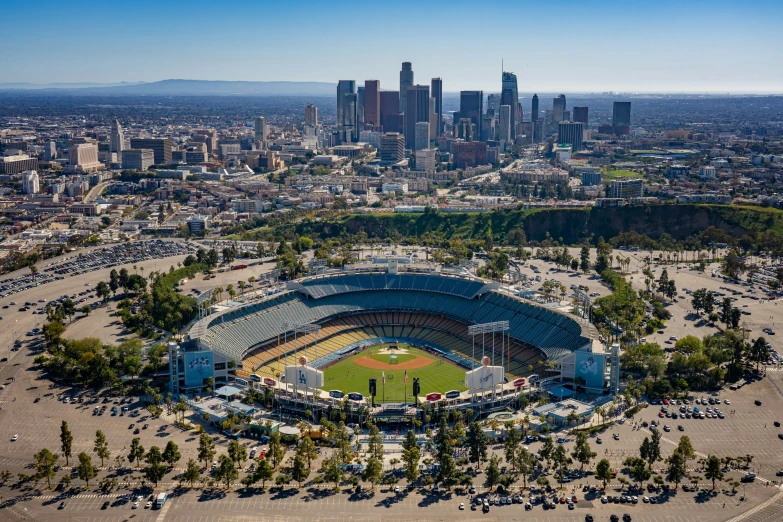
<point>574,499</point>
<point>666,402</point>
<point>660,414</point>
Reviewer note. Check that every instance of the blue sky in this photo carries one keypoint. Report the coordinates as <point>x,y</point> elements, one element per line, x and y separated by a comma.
<point>563,46</point>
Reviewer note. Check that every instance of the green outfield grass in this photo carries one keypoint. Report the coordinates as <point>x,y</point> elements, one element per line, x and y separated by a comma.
<point>439,376</point>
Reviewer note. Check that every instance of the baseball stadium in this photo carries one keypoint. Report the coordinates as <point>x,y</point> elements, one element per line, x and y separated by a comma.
<point>327,336</point>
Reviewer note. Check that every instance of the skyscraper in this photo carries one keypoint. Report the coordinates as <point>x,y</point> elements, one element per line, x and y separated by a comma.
<point>30,181</point>
<point>580,114</point>
<point>417,110</point>
<point>311,115</point>
<point>422,137</point>
<point>406,80</point>
<point>505,123</point>
<point>160,146</point>
<point>471,106</point>
<point>344,88</point>
<point>436,91</point>
<point>493,103</point>
<point>510,96</point>
<point>261,129</point>
<point>558,108</point>
<point>390,111</point>
<point>372,103</point>
<point>359,108</point>
<point>570,132</point>
<point>621,117</point>
<point>392,146</point>
<point>534,109</point>
<point>350,117</point>
<point>117,139</point>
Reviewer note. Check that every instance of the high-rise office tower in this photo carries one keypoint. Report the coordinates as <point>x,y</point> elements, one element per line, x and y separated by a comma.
<point>534,109</point>
<point>360,107</point>
<point>30,182</point>
<point>558,108</point>
<point>417,110</point>
<point>504,121</point>
<point>392,146</point>
<point>570,132</point>
<point>50,150</point>
<point>350,117</point>
<point>580,114</point>
<point>510,96</point>
<point>422,138</point>
<point>161,147</point>
<point>621,118</point>
<point>493,103</point>
<point>117,139</point>
<point>464,129</point>
<point>390,111</point>
<point>372,103</point>
<point>344,88</point>
<point>433,119</point>
<point>436,91</point>
<point>406,80</point>
<point>471,106</point>
<point>311,115</point>
<point>261,129</point>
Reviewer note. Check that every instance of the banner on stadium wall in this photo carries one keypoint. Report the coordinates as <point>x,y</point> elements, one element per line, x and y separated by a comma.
<point>356,396</point>
<point>590,367</point>
<point>484,377</point>
<point>432,397</point>
<point>519,382</point>
<point>198,366</point>
<point>304,376</point>
<point>452,394</point>
<point>336,394</point>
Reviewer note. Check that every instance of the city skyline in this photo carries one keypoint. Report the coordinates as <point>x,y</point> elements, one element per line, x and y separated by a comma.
<point>654,47</point>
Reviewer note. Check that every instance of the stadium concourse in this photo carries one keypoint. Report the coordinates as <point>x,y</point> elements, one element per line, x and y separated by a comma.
<point>366,305</point>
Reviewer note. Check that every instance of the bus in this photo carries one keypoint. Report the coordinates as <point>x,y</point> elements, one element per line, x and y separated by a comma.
<point>161,499</point>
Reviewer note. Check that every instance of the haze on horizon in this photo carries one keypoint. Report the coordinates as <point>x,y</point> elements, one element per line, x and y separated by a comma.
<point>607,45</point>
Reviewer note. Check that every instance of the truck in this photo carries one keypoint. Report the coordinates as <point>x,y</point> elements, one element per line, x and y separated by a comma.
<point>161,499</point>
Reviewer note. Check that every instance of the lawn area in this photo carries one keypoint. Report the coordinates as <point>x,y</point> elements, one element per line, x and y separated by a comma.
<point>610,174</point>
<point>438,375</point>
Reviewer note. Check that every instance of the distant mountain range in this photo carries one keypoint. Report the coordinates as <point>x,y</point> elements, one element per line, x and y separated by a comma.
<point>181,88</point>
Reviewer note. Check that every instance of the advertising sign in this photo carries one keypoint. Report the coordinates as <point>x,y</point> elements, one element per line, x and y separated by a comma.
<point>433,397</point>
<point>591,368</point>
<point>356,396</point>
<point>255,378</point>
<point>452,394</point>
<point>336,394</point>
<point>484,377</point>
<point>198,366</point>
<point>304,376</point>
<point>519,382</point>
<point>269,382</point>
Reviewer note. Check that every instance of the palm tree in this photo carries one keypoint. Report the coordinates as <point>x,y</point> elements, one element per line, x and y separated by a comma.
<point>134,268</point>
<point>33,271</point>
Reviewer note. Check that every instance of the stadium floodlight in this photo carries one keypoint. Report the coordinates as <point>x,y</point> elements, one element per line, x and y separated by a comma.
<point>489,328</point>
<point>299,328</point>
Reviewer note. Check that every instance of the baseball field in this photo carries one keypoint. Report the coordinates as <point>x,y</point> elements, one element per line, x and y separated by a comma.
<point>353,374</point>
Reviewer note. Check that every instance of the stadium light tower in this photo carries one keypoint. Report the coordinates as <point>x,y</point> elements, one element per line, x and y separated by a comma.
<point>298,328</point>
<point>490,328</point>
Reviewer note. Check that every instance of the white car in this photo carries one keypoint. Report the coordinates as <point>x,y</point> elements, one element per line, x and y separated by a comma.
<point>148,505</point>
<point>727,402</point>
<point>462,506</point>
<point>14,438</point>
<point>135,505</point>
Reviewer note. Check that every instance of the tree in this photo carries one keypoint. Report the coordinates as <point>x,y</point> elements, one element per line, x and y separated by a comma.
<point>410,457</point>
<point>52,333</point>
<point>276,451</point>
<point>375,444</point>
<point>713,470</point>
<point>226,471</point>
<point>206,449</point>
<point>103,291</point>
<point>155,470</point>
<point>45,461</point>
<point>264,472</point>
<point>373,471</point>
<point>547,449</point>
<point>308,450</point>
<point>676,469</point>
<point>512,441</point>
<point>603,471</point>
<point>192,473</point>
<point>85,469</point>
<point>582,452</point>
<point>332,471</point>
<point>492,473</point>
<point>525,463</point>
<point>560,458</point>
<point>136,451</point>
<point>584,258</point>
<point>237,452</point>
<point>101,446</point>
<point>685,448</point>
<point>299,470</point>
<point>171,454</point>
<point>66,441</point>
<point>639,470</point>
<point>477,444</point>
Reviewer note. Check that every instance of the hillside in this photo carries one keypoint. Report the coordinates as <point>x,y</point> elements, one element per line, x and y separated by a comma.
<point>572,225</point>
